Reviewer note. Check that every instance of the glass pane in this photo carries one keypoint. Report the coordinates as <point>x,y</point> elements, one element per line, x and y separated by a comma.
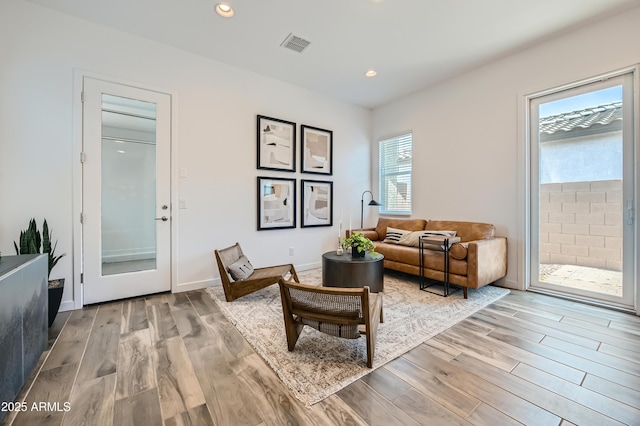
<point>581,171</point>
<point>128,176</point>
<point>395,162</point>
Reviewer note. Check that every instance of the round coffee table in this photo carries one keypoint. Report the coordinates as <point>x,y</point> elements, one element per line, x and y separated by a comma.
<point>345,271</point>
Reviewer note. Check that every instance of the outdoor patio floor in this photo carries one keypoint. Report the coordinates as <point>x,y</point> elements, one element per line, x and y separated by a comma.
<point>591,279</point>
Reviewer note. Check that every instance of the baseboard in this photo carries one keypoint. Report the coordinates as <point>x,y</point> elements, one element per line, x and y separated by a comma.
<point>194,285</point>
<point>67,305</point>
<point>197,285</point>
<point>510,284</point>
<point>308,266</point>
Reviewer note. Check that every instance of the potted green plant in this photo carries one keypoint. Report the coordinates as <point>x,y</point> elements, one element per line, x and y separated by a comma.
<point>31,242</point>
<point>359,244</point>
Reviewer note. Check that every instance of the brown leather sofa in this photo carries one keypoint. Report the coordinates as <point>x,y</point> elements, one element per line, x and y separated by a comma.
<point>480,258</point>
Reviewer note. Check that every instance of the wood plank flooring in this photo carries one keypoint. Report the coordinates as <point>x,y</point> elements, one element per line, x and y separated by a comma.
<point>173,359</point>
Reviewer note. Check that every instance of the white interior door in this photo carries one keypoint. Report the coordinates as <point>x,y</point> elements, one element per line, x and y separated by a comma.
<point>126,210</point>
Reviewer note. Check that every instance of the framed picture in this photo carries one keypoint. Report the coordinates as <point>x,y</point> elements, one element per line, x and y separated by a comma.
<point>317,150</point>
<point>317,203</point>
<point>276,144</point>
<point>276,203</point>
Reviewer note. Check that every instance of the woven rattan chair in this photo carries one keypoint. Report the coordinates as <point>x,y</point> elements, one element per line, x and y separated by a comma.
<point>342,312</point>
<point>259,279</point>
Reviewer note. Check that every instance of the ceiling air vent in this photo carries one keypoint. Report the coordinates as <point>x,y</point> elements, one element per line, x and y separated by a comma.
<point>295,43</point>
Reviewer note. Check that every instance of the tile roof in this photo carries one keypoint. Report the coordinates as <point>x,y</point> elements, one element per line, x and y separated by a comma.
<point>581,119</point>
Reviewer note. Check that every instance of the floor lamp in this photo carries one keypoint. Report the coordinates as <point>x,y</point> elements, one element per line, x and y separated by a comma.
<point>371,203</point>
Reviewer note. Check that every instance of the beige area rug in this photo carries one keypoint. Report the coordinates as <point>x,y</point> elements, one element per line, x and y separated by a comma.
<point>321,364</point>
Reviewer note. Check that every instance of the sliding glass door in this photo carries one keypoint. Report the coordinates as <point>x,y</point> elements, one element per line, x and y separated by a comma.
<point>582,191</point>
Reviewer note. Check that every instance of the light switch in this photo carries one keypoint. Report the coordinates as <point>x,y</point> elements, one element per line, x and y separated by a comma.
<point>183,203</point>
<point>183,172</point>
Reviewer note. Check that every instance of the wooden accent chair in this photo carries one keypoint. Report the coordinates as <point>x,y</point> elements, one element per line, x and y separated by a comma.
<point>259,279</point>
<point>342,312</point>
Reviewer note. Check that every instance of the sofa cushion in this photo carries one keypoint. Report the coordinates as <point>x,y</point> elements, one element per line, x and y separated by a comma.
<point>467,231</point>
<point>412,239</point>
<point>459,251</point>
<point>398,253</point>
<point>405,224</point>
<point>394,236</point>
<point>434,260</point>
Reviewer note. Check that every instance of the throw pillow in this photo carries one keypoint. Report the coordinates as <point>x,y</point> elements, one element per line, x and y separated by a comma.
<point>443,233</point>
<point>394,235</point>
<point>412,239</point>
<point>459,251</point>
<point>241,269</point>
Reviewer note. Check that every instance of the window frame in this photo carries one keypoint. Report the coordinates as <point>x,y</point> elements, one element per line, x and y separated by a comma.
<point>400,140</point>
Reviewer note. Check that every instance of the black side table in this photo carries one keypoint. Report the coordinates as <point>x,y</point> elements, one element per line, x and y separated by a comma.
<point>347,271</point>
<point>437,243</point>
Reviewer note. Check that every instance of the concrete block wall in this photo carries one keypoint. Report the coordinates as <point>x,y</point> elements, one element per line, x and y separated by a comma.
<point>581,224</point>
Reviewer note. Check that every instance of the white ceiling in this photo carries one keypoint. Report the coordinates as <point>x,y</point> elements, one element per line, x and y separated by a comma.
<point>411,43</point>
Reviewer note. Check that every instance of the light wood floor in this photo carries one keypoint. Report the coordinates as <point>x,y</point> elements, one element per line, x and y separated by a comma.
<point>176,360</point>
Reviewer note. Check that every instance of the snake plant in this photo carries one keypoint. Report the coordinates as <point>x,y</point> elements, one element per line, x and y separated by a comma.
<point>31,242</point>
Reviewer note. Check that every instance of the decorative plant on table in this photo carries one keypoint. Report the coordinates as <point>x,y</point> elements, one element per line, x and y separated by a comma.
<point>359,244</point>
<point>31,242</point>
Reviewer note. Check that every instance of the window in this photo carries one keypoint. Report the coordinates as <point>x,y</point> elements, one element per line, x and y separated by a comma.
<point>395,174</point>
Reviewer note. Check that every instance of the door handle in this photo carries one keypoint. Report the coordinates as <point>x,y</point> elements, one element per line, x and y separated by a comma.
<point>163,218</point>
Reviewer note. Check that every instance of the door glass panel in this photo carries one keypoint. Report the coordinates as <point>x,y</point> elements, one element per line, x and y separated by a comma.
<point>581,193</point>
<point>128,184</point>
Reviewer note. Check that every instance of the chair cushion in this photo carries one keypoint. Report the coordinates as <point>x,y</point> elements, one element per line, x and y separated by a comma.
<point>241,269</point>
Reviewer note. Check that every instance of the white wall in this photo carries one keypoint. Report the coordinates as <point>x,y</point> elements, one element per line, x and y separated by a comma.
<point>216,112</point>
<point>467,131</point>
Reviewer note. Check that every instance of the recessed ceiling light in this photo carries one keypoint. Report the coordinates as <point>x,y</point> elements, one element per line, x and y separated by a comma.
<point>371,73</point>
<point>224,10</point>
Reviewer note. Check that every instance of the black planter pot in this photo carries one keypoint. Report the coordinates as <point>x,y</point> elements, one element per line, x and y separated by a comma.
<point>356,253</point>
<point>56,288</point>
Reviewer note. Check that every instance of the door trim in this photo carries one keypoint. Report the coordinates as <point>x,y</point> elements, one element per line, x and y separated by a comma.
<point>77,123</point>
<point>523,248</point>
